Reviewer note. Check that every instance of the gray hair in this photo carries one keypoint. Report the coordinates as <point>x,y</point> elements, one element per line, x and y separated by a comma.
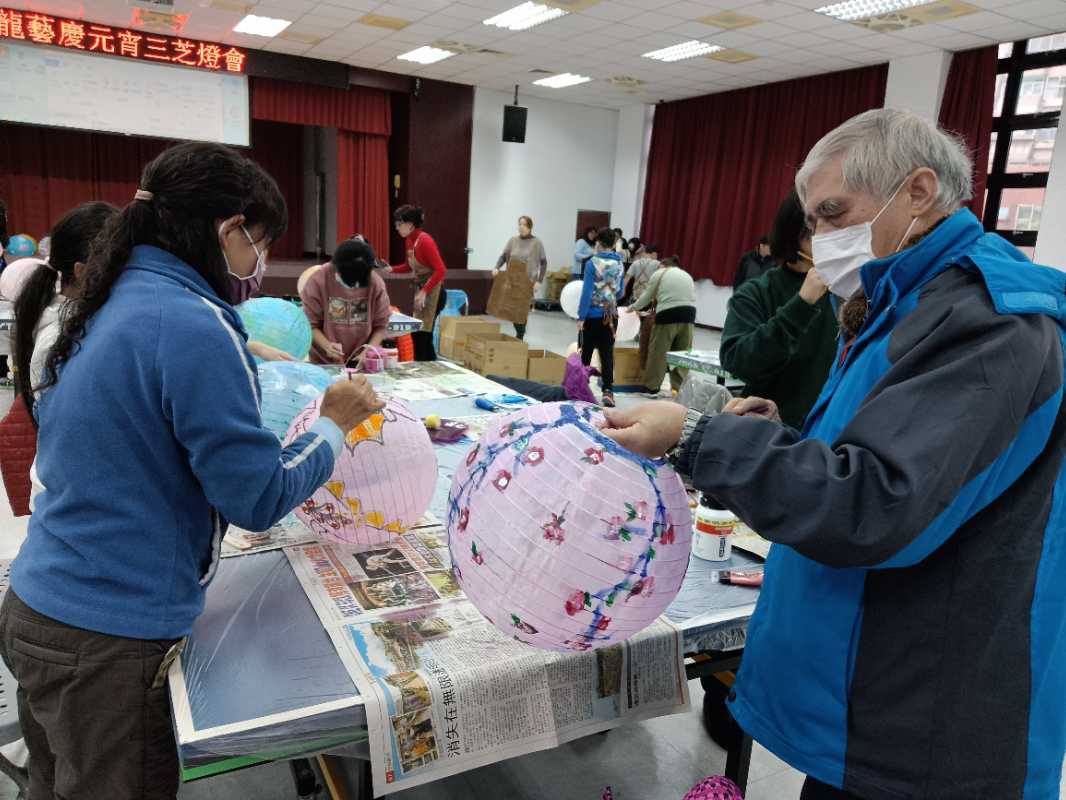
<point>882,147</point>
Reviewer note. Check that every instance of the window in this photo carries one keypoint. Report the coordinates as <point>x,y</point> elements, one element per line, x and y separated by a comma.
<point>1030,86</point>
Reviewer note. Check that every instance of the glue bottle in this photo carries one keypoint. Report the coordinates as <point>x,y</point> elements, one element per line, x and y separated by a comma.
<point>712,538</point>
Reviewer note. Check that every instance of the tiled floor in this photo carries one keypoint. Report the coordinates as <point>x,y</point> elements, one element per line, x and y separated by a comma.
<point>655,760</point>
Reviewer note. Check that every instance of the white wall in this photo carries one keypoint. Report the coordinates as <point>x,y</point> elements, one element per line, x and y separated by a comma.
<point>566,163</point>
<point>1051,241</point>
<point>916,83</point>
<point>631,167</point>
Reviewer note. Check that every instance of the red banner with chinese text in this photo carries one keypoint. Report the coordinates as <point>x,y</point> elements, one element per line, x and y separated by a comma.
<point>39,28</point>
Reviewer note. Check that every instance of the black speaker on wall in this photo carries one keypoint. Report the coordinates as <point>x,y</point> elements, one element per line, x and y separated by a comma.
<point>514,124</point>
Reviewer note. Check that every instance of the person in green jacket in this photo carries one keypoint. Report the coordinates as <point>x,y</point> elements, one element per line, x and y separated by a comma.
<point>780,334</point>
<point>673,293</point>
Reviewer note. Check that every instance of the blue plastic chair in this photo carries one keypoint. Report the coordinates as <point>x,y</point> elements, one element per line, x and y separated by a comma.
<point>456,304</point>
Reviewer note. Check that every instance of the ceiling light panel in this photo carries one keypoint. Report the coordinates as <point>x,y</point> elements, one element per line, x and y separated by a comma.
<point>562,81</point>
<point>426,55</point>
<point>525,16</point>
<point>679,52</point>
<point>852,10</point>
<point>261,26</point>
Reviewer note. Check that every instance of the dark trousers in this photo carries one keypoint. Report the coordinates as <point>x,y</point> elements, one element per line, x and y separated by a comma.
<point>519,330</point>
<point>599,336</point>
<point>95,725</point>
<point>544,392</point>
<point>816,790</point>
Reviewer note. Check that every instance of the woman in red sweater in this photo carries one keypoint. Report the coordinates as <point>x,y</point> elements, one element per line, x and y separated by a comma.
<point>424,261</point>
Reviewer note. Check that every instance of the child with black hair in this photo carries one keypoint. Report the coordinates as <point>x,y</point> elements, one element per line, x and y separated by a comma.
<point>151,443</point>
<point>598,311</point>
<point>46,292</point>
<point>346,303</point>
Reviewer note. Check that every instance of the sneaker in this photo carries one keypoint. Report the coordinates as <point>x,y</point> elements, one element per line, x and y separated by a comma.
<point>608,399</point>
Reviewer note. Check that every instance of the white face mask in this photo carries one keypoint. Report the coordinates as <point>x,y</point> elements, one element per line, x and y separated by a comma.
<point>839,256</point>
<point>260,260</point>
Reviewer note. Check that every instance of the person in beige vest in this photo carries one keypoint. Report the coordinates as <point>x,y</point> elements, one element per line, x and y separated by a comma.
<point>526,250</point>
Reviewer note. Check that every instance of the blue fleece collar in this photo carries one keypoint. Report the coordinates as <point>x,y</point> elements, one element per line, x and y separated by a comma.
<point>909,268</point>
<point>148,258</point>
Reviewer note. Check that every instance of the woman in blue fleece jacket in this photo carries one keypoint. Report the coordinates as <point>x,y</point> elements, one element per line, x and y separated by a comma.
<point>151,443</point>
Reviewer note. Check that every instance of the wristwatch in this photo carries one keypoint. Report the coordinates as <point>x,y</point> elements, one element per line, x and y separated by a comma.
<point>676,453</point>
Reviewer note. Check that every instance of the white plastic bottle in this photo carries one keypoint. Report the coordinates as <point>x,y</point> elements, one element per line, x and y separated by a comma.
<point>712,538</point>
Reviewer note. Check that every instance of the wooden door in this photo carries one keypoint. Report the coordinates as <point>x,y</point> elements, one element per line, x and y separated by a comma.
<point>591,219</point>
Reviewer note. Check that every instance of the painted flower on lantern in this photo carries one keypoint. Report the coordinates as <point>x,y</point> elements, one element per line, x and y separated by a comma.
<point>533,456</point>
<point>464,519</point>
<point>637,510</point>
<point>502,479</point>
<point>553,531</point>
<point>475,555</point>
<point>523,626</point>
<point>669,536</point>
<point>511,428</point>
<point>575,602</point>
<point>594,455</point>
<point>643,588</point>
<point>602,624</point>
<point>614,529</point>
<point>579,646</point>
<point>472,455</point>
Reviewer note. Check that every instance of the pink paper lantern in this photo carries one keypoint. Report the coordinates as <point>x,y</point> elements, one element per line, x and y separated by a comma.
<point>382,482</point>
<point>560,537</point>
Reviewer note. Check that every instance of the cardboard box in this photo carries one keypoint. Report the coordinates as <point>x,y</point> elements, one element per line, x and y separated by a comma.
<point>553,285</point>
<point>546,367</point>
<point>627,369</point>
<point>454,332</point>
<point>496,354</point>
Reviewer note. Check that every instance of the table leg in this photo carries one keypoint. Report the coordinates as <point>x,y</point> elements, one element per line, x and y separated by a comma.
<point>738,762</point>
<point>720,380</point>
<point>307,787</point>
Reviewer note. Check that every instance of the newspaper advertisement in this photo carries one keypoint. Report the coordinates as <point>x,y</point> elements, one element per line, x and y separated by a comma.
<point>345,582</point>
<point>445,691</point>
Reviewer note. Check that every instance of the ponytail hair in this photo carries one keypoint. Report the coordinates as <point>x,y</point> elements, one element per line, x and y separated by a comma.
<point>72,239</point>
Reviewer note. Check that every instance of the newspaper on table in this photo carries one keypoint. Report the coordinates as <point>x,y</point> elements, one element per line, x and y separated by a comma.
<point>289,532</point>
<point>444,690</point>
<point>346,582</point>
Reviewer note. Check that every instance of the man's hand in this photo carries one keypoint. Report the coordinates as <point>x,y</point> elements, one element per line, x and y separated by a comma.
<point>268,353</point>
<point>814,287</point>
<point>350,402</point>
<point>649,429</point>
<point>753,407</point>
<point>335,352</point>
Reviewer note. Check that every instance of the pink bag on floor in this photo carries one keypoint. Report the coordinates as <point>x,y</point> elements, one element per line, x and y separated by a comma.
<point>715,787</point>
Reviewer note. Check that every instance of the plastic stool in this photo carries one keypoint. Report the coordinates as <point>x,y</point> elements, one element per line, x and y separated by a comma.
<point>456,304</point>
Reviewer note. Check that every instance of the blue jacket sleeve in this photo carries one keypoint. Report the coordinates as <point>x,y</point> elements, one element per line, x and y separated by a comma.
<point>210,393</point>
<point>586,292</point>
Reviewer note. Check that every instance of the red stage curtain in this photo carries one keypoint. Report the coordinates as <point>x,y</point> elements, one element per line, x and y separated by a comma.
<point>363,188</point>
<point>967,108</point>
<point>278,148</point>
<point>357,109</point>
<point>44,172</point>
<point>720,165</point>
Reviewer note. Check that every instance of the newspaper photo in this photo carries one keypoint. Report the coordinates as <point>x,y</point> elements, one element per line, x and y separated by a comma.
<point>445,691</point>
<point>345,582</point>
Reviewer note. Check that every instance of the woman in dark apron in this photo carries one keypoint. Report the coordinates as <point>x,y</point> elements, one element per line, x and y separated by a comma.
<point>427,268</point>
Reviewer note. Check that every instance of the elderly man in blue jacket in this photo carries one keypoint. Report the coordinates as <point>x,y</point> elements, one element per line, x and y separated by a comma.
<point>910,640</point>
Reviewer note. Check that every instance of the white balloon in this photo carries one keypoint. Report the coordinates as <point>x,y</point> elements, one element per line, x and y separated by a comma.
<point>628,325</point>
<point>570,299</point>
<point>15,274</point>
